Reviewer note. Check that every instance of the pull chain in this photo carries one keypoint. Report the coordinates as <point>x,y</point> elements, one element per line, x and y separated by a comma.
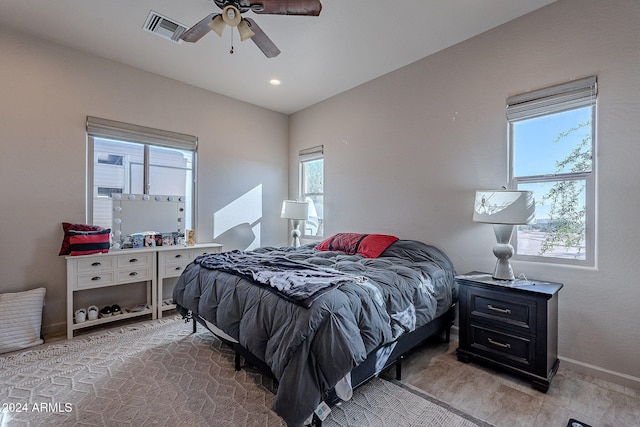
<point>231,51</point>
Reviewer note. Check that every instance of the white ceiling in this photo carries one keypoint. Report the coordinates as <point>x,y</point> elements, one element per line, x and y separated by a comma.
<point>350,43</point>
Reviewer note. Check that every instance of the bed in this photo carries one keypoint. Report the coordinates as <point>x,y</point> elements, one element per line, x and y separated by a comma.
<point>361,314</point>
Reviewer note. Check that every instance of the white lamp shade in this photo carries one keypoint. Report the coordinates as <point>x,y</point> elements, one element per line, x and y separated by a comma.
<point>504,207</point>
<point>292,209</point>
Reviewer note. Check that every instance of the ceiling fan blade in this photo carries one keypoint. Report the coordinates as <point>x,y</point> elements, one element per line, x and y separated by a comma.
<point>261,40</point>
<point>287,7</point>
<point>199,30</point>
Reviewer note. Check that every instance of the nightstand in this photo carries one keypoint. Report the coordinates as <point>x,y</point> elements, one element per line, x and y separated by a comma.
<point>510,325</point>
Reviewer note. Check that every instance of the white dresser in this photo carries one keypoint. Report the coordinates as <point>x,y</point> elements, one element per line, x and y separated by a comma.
<point>172,261</point>
<point>127,267</point>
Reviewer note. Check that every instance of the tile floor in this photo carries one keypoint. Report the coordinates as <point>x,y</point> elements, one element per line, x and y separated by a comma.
<point>505,400</point>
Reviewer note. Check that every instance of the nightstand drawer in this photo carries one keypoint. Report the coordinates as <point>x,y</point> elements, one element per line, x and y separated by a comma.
<point>516,312</point>
<point>512,349</point>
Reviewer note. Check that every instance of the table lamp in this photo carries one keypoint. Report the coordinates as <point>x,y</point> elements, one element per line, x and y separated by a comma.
<point>296,212</point>
<point>504,209</point>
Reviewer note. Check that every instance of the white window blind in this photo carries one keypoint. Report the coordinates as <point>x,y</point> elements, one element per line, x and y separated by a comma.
<point>566,96</point>
<point>110,129</point>
<point>312,153</point>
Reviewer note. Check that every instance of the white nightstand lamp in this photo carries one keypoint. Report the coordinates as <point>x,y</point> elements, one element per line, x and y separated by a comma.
<point>296,212</point>
<point>504,209</point>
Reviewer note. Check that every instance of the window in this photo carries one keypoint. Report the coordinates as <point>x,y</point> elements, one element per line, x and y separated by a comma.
<point>552,140</point>
<point>312,189</point>
<point>125,158</point>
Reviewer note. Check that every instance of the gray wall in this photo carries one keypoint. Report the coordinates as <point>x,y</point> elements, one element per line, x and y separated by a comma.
<point>405,152</point>
<point>46,92</point>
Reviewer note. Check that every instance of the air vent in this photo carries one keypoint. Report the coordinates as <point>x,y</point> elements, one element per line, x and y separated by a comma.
<point>164,27</point>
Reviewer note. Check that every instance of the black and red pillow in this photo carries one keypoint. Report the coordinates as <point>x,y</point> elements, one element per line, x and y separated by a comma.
<point>68,227</point>
<point>367,245</point>
<point>89,242</point>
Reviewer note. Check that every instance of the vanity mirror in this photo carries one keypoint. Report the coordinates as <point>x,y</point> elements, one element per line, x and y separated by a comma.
<point>140,213</point>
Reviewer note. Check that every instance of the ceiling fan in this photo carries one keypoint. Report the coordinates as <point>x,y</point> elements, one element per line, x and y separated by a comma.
<point>231,15</point>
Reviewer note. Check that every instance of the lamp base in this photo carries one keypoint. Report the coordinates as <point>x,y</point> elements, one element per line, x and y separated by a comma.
<point>503,251</point>
<point>295,233</point>
<point>503,270</point>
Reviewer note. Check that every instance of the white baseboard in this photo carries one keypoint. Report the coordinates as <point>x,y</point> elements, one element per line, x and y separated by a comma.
<point>600,373</point>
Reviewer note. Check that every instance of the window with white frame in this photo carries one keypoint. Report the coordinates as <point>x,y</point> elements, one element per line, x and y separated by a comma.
<point>312,189</point>
<point>552,147</point>
<point>126,158</point>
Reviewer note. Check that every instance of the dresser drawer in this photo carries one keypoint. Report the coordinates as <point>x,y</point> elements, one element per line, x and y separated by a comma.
<point>514,350</point>
<point>94,264</point>
<point>135,275</point>
<point>195,253</point>
<point>139,260</point>
<point>174,269</point>
<point>520,313</point>
<point>95,280</point>
<point>175,262</point>
<point>178,256</point>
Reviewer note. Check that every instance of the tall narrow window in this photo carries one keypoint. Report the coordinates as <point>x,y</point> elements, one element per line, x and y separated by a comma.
<point>312,189</point>
<point>125,158</point>
<point>552,141</point>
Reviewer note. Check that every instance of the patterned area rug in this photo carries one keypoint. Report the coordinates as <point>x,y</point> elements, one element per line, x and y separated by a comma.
<point>158,373</point>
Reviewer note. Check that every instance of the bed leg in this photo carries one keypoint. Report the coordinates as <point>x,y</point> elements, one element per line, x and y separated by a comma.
<point>189,318</point>
<point>237,361</point>
<point>399,368</point>
<point>447,335</point>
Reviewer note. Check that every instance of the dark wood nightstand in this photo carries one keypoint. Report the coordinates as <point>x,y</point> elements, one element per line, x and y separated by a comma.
<point>511,325</point>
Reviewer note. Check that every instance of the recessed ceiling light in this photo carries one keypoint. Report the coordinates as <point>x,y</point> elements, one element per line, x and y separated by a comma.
<point>274,82</point>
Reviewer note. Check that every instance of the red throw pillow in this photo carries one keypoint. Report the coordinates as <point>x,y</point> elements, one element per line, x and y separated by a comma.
<point>66,227</point>
<point>89,242</point>
<point>367,245</point>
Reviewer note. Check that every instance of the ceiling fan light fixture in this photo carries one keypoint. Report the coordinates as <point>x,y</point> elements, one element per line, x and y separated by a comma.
<point>217,24</point>
<point>245,31</point>
<point>231,16</point>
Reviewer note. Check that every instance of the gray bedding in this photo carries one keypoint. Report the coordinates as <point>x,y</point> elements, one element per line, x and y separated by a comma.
<point>310,349</point>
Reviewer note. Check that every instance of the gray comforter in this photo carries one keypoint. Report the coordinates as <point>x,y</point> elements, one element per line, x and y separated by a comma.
<point>310,349</point>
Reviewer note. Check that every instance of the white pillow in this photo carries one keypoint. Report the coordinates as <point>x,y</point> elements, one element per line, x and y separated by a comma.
<point>21,319</point>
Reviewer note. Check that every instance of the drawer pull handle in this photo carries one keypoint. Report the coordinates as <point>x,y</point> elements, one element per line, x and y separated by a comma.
<point>133,260</point>
<point>178,268</point>
<point>178,255</point>
<point>96,264</point>
<point>499,344</point>
<point>498,309</point>
<point>133,273</point>
<point>96,278</point>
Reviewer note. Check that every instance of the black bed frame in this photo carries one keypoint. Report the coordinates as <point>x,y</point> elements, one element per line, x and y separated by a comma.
<point>366,370</point>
